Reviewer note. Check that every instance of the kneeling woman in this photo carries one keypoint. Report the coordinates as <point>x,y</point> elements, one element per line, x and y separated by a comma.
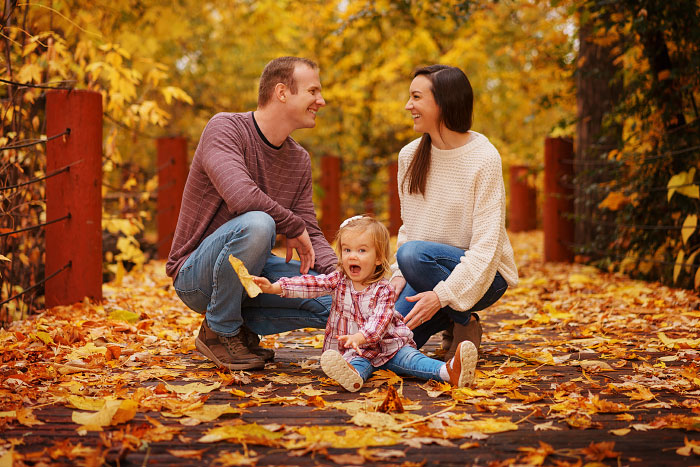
<point>454,256</point>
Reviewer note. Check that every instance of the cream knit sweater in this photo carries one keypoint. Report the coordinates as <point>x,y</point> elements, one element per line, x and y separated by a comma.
<point>464,206</point>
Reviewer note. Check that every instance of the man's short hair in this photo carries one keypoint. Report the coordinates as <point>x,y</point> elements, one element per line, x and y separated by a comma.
<point>280,70</point>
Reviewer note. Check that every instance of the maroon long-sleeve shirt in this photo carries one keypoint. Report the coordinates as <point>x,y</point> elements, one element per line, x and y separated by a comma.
<point>234,171</point>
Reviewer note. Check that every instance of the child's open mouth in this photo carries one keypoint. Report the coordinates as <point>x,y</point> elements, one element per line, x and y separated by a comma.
<point>354,269</point>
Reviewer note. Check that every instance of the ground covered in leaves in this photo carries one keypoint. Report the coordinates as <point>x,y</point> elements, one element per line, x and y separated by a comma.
<point>577,368</point>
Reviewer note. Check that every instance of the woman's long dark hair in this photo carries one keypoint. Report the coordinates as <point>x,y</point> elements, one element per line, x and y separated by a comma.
<point>454,97</point>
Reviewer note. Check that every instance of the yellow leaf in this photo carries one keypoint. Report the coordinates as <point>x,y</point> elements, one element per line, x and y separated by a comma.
<point>124,315</point>
<point>26,417</point>
<point>689,226</point>
<point>125,412</point>
<point>208,413</point>
<point>85,351</point>
<point>95,421</point>
<point>244,276</point>
<point>614,201</point>
<point>679,264</point>
<point>691,447</point>
<point>678,343</point>
<point>7,459</point>
<point>86,403</point>
<point>682,183</point>
<point>379,420</point>
<point>4,258</point>
<point>199,388</point>
<point>248,434</point>
<point>620,431</point>
<point>45,337</point>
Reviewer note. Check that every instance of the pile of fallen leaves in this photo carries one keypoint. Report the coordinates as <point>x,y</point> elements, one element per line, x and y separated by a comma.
<point>577,367</point>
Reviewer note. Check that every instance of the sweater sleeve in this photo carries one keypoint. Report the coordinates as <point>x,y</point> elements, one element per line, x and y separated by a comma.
<point>223,160</point>
<point>309,286</point>
<point>472,277</point>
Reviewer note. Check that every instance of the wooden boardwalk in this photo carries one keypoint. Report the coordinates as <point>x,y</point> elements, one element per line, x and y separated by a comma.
<point>576,368</point>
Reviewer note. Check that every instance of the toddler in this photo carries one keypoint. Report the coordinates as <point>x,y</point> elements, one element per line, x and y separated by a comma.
<point>364,331</point>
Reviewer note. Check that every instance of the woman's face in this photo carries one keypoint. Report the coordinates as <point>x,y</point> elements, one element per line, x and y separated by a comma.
<point>421,103</point>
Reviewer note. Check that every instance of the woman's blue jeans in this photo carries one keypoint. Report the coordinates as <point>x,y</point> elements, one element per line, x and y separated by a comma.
<point>407,361</point>
<point>424,264</point>
<point>207,283</point>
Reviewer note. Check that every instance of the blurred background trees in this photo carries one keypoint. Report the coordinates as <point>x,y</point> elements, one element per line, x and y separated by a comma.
<point>164,68</point>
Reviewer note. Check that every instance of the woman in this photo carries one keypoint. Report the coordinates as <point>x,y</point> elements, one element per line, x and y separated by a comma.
<point>454,256</point>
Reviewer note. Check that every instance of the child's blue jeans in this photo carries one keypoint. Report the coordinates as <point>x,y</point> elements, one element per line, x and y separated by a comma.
<point>407,361</point>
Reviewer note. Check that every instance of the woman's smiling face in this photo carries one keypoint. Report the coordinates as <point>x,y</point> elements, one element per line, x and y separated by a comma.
<point>421,103</point>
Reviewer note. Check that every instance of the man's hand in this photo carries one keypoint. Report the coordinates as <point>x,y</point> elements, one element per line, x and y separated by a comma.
<point>398,283</point>
<point>266,286</point>
<point>428,304</point>
<point>352,340</point>
<point>305,250</point>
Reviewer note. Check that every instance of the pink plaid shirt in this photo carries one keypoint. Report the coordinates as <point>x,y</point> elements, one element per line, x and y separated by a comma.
<point>370,311</point>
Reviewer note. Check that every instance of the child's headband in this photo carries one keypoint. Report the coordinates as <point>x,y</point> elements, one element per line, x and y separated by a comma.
<point>350,219</point>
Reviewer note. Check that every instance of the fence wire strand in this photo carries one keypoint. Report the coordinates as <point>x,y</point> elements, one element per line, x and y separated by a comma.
<point>38,141</point>
<point>67,265</point>
<point>49,175</point>
<point>34,227</point>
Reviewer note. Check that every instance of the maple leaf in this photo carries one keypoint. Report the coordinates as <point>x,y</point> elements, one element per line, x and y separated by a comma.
<point>600,451</point>
<point>392,402</point>
<point>690,447</point>
<point>536,456</point>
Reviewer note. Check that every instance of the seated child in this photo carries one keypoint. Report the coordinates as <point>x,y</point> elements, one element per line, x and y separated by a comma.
<point>364,331</point>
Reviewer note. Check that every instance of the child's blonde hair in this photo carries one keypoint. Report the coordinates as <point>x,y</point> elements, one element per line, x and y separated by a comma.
<point>380,236</point>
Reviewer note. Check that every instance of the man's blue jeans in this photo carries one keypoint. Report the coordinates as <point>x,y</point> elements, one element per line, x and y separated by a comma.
<point>207,283</point>
<point>407,361</point>
<point>423,265</point>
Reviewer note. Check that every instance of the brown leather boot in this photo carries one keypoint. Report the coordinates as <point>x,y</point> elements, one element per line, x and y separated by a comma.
<point>226,351</point>
<point>471,332</point>
<point>252,341</point>
<point>447,337</point>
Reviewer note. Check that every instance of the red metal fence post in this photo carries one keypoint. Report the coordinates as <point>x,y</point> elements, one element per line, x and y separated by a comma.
<point>523,200</point>
<point>394,203</point>
<point>77,192</point>
<point>330,204</point>
<point>172,175</point>
<point>558,200</point>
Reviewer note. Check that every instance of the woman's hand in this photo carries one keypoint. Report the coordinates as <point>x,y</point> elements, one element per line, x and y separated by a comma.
<point>266,286</point>
<point>398,283</point>
<point>352,340</point>
<point>427,305</point>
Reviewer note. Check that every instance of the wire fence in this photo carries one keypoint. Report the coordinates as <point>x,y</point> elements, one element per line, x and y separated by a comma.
<point>67,216</point>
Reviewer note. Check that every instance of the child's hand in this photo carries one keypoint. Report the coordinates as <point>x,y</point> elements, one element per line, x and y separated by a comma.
<point>266,286</point>
<point>352,340</point>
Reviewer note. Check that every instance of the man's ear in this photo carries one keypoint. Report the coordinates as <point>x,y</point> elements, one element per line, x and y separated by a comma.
<point>281,92</point>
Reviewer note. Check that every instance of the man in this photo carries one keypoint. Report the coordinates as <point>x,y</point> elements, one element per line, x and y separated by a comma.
<point>249,180</point>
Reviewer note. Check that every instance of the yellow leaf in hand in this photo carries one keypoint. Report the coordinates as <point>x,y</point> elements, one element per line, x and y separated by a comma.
<point>244,276</point>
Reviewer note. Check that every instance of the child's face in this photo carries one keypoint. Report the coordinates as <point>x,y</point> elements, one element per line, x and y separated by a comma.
<point>359,256</point>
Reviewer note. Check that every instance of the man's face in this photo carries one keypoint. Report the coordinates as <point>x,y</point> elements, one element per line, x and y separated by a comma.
<point>308,100</point>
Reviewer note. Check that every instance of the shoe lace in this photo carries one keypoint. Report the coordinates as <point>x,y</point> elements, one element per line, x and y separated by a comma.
<point>233,344</point>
